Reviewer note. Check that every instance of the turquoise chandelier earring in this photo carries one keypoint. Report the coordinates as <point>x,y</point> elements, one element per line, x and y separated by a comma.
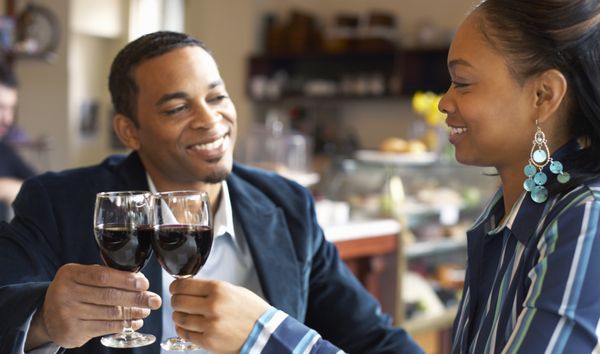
<point>539,158</point>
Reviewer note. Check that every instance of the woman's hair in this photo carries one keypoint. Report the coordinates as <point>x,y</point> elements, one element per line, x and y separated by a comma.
<point>538,35</point>
<point>121,83</point>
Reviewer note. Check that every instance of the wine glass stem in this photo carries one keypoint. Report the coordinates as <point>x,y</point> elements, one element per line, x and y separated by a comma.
<point>127,330</point>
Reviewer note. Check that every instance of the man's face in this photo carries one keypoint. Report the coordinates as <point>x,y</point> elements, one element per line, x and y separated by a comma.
<point>8,105</point>
<point>186,120</point>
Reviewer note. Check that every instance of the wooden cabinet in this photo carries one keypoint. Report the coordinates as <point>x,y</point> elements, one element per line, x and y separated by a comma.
<point>376,260</point>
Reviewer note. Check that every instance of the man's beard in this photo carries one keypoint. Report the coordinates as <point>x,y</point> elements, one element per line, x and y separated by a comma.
<point>216,176</point>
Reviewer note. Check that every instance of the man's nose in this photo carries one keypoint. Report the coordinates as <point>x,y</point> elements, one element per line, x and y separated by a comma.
<point>205,117</point>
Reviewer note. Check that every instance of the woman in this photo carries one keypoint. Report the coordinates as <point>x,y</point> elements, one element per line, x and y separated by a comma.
<point>525,99</point>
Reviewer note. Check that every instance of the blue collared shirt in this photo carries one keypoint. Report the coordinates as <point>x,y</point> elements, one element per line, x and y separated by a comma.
<point>533,279</point>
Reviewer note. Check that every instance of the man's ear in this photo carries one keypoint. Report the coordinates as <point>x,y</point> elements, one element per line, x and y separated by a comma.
<point>127,131</point>
<point>551,90</point>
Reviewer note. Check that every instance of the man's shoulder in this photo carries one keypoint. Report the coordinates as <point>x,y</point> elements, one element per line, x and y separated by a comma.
<point>268,187</point>
<point>80,180</point>
<point>92,171</point>
<point>265,180</point>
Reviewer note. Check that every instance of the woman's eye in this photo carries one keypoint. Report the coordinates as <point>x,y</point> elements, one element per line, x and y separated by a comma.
<point>459,84</point>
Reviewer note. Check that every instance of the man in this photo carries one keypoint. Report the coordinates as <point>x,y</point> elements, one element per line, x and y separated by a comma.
<point>13,169</point>
<point>173,110</point>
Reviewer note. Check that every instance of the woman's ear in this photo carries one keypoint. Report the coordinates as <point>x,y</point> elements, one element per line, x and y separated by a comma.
<point>551,90</point>
<point>127,131</point>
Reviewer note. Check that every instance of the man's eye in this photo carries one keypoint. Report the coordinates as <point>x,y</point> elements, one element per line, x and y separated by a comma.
<point>176,110</point>
<point>219,98</point>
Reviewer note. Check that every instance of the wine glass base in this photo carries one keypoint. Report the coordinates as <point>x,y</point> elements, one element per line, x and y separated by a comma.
<point>127,340</point>
<point>178,345</point>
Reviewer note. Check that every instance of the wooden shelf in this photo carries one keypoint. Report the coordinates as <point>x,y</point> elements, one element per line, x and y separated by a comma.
<point>400,73</point>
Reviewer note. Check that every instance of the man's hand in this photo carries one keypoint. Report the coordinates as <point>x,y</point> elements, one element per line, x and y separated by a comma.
<point>85,301</point>
<point>215,315</point>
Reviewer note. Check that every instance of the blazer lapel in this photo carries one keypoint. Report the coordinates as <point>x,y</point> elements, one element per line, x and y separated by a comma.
<point>270,244</point>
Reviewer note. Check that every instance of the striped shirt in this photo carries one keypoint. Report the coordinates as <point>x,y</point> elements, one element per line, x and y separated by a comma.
<point>276,333</point>
<point>533,280</point>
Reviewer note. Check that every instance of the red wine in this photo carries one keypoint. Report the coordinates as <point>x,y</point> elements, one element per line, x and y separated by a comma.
<point>124,248</point>
<point>182,249</point>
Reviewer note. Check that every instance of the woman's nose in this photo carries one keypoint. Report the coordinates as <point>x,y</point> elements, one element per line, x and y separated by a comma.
<point>444,105</point>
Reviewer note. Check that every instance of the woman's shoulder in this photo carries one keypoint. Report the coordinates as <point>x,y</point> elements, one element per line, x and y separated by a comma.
<point>587,190</point>
<point>577,199</point>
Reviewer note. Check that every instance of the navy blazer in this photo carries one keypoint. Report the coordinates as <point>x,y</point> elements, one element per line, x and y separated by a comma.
<point>299,271</point>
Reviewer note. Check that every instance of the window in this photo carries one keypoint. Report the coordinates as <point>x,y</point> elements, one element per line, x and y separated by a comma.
<point>148,16</point>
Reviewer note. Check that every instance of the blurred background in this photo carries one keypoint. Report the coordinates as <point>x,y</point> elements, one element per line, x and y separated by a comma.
<point>339,95</point>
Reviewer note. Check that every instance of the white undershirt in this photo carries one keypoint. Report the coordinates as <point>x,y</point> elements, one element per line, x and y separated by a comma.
<point>229,260</point>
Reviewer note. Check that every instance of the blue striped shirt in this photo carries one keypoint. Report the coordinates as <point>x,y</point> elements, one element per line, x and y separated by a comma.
<point>533,280</point>
<point>275,333</point>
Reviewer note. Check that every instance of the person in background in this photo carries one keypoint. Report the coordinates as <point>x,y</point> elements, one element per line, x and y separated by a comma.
<point>13,169</point>
<point>525,99</point>
<point>270,265</point>
<point>9,131</point>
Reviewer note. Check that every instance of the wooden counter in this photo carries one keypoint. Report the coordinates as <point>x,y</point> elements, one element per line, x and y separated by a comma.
<point>369,250</point>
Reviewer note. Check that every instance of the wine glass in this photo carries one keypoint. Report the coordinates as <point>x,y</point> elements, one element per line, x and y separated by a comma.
<point>183,237</point>
<point>123,229</point>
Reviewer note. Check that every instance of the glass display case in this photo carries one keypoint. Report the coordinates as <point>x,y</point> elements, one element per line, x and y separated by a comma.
<point>435,201</point>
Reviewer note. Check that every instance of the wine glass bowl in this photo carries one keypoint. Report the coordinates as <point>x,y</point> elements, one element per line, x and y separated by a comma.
<point>124,249</point>
<point>183,237</point>
<point>182,249</point>
<point>123,229</point>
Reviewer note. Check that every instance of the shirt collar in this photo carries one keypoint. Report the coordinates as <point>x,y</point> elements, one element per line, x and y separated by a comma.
<point>525,215</point>
<point>522,220</point>
<point>223,218</point>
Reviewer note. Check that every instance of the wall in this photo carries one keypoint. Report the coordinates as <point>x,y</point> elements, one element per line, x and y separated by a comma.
<point>43,93</point>
<point>93,45</point>
<point>51,93</point>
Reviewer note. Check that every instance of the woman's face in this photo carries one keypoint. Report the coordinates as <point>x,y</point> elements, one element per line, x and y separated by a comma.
<point>491,115</point>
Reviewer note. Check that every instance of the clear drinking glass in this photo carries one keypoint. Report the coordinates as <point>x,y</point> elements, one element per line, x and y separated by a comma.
<point>123,228</point>
<point>183,237</point>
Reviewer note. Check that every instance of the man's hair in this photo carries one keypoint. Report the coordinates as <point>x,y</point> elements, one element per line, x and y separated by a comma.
<point>7,76</point>
<point>121,83</point>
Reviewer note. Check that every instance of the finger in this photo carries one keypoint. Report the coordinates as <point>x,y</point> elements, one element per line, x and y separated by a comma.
<point>111,313</point>
<point>100,276</point>
<point>197,338</point>
<point>196,305</point>
<point>118,297</point>
<point>196,287</point>
<point>196,323</point>
<point>101,328</point>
